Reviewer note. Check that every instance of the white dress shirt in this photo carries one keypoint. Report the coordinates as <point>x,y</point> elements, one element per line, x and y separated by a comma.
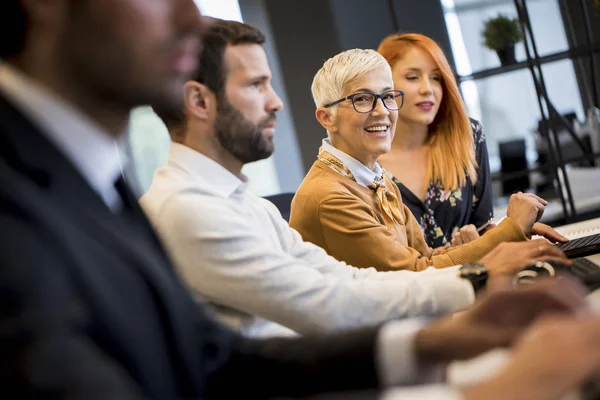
<point>234,249</point>
<point>93,152</point>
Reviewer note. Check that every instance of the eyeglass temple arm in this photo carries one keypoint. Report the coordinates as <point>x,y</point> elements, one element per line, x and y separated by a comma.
<point>333,103</point>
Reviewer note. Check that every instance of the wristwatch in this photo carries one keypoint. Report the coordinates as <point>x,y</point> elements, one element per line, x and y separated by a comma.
<point>475,273</point>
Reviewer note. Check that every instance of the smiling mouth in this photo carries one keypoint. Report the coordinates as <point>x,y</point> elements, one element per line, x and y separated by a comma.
<point>377,128</point>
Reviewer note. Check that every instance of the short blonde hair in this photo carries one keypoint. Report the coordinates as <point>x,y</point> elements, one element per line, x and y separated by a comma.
<point>329,82</point>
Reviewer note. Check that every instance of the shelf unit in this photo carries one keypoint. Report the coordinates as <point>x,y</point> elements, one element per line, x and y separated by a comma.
<point>556,163</point>
<point>576,52</point>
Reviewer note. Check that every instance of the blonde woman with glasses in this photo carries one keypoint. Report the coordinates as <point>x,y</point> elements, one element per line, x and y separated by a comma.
<point>349,207</point>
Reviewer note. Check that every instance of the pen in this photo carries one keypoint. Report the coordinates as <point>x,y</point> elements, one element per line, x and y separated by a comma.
<point>494,221</point>
<point>482,227</point>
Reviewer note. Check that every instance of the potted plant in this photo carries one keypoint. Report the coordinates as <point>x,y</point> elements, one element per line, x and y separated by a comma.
<point>502,34</point>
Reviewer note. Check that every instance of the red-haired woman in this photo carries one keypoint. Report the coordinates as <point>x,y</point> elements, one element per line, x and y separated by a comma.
<point>438,157</point>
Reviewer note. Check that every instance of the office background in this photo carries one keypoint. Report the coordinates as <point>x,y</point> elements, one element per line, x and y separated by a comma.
<point>301,35</point>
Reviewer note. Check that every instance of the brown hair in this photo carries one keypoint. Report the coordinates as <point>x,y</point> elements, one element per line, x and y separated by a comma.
<point>212,73</point>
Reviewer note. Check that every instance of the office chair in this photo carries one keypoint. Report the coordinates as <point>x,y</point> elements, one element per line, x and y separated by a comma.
<point>283,202</point>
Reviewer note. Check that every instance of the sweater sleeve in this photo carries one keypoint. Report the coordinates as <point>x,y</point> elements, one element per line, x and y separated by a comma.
<point>353,234</point>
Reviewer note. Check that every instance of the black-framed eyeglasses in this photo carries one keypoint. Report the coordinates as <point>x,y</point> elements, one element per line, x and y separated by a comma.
<point>365,102</point>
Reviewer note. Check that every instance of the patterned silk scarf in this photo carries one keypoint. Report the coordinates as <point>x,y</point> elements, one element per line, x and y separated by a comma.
<point>387,200</point>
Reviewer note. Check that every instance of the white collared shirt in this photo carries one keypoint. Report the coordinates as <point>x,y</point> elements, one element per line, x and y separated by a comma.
<point>235,250</point>
<point>363,175</point>
<point>93,152</point>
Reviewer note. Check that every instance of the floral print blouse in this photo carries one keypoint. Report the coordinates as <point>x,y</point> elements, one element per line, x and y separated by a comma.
<point>444,211</point>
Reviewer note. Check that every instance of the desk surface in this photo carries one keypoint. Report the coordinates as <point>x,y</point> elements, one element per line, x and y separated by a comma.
<point>579,229</point>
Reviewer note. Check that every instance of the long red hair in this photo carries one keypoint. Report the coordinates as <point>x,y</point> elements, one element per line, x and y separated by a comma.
<point>450,139</point>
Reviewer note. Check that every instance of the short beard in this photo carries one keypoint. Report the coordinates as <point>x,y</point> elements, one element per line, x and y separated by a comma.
<point>240,137</point>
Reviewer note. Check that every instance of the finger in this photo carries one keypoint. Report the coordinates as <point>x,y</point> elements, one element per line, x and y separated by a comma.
<point>540,213</point>
<point>539,205</point>
<point>522,306</point>
<point>528,198</point>
<point>547,232</point>
<point>547,248</point>
<point>536,197</point>
<point>552,259</point>
<point>539,208</point>
<point>542,251</point>
<point>509,306</point>
<point>441,250</point>
<point>563,295</point>
<point>464,235</point>
<point>456,239</point>
<point>537,242</point>
<point>469,232</point>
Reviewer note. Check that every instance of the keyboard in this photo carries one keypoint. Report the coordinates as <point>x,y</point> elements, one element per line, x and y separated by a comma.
<point>581,247</point>
<point>586,271</point>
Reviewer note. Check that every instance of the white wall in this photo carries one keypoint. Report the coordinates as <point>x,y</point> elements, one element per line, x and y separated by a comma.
<point>287,158</point>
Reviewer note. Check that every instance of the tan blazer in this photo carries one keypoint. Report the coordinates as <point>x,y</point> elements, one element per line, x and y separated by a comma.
<point>343,217</point>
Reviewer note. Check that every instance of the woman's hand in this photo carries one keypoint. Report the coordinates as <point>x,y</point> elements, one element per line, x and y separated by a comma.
<point>468,233</point>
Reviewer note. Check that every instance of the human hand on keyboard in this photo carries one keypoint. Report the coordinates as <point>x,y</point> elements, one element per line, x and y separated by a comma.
<point>497,319</point>
<point>510,257</point>
<point>547,232</point>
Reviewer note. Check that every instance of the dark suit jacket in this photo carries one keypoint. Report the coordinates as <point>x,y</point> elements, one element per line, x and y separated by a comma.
<point>91,307</point>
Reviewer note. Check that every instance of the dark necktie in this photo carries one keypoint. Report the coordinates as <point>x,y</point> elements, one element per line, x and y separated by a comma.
<point>126,197</point>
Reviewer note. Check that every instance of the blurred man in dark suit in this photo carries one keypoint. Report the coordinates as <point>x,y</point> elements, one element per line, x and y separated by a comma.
<point>90,305</point>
